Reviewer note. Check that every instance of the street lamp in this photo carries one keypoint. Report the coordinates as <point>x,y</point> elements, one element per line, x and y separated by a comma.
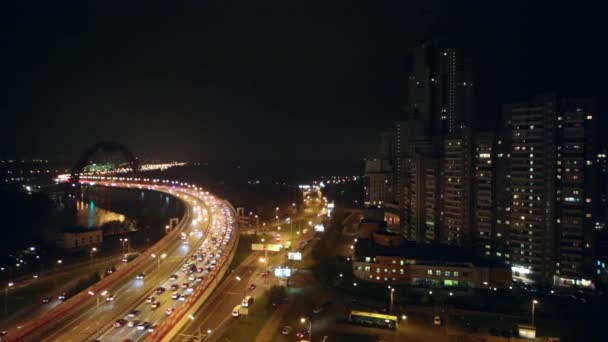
<point>124,241</point>
<point>534,302</point>
<point>392,295</point>
<point>8,286</point>
<point>162,256</point>
<point>303,320</point>
<point>93,250</point>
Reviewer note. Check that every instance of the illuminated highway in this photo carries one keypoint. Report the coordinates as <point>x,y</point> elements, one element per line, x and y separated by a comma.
<point>206,228</point>
<point>237,285</point>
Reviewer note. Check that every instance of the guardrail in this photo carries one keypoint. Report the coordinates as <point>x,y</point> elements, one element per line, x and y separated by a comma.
<point>178,319</point>
<point>32,332</point>
<point>103,329</point>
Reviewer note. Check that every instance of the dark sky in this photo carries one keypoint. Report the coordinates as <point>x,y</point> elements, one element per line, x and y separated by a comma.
<point>200,80</point>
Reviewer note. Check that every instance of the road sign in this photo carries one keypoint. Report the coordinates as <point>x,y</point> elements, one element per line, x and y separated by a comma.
<point>282,272</point>
<point>267,247</point>
<point>294,256</point>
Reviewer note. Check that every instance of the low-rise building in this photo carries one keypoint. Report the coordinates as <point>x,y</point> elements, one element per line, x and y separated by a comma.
<point>78,237</point>
<point>386,257</point>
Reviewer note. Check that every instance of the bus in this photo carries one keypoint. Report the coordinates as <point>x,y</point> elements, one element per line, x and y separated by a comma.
<point>373,319</point>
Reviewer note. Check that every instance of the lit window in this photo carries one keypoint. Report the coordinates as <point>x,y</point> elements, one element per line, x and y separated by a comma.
<point>456,274</point>
<point>438,272</point>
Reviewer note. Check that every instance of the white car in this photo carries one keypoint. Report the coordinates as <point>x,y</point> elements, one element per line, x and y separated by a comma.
<point>286,330</point>
<point>110,298</point>
<point>169,311</point>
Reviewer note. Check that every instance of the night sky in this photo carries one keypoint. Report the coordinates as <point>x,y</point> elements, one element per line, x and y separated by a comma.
<point>236,80</point>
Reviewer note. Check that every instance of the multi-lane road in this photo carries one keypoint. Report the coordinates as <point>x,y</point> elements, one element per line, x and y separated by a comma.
<point>207,227</point>
<point>256,270</point>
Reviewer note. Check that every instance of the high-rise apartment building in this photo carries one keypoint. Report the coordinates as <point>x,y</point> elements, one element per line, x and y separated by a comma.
<point>484,193</point>
<point>456,197</point>
<point>420,198</point>
<point>455,78</point>
<point>532,174</point>
<point>553,179</point>
<point>439,107</point>
<point>578,194</point>
<point>377,182</point>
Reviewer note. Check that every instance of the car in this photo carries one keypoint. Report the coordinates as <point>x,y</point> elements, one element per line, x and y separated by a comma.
<point>265,274</point>
<point>111,270</point>
<point>197,279</point>
<point>175,296</point>
<point>173,277</point>
<point>160,290</point>
<point>62,296</point>
<point>140,276</point>
<point>191,277</point>
<point>185,285</point>
<point>133,323</point>
<point>182,298</point>
<point>252,287</point>
<point>190,289</point>
<point>155,305</point>
<point>150,299</point>
<point>437,320</point>
<point>151,328</point>
<point>134,313</point>
<point>286,330</point>
<point>169,311</point>
<point>120,323</point>
<point>143,326</point>
<point>46,299</point>
<point>110,298</point>
<point>301,334</point>
<point>174,287</point>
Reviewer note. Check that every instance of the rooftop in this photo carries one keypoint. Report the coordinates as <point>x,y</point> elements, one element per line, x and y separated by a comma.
<point>77,229</point>
<point>439,253</point>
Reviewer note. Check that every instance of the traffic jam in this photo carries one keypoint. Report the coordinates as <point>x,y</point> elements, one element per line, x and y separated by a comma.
<point>173,291</point>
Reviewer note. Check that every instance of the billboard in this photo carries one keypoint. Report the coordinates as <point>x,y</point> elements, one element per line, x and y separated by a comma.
<point>294,256</point>
<point>268,247</point>
<point>282,272</point>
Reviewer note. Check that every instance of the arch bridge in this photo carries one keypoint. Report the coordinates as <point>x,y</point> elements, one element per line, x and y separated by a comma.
<point>105,146</point>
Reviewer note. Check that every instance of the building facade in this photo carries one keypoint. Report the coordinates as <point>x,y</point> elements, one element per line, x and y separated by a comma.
<point>79,238</point>
<point>532,183</point>
<point>377,189</point>
<point>484,193</point>
<point>554,179</point>
<point>386,258</point>
<point>456,197</point>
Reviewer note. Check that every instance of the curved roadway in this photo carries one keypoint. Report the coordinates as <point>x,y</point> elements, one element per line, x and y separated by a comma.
<point>207,225</point>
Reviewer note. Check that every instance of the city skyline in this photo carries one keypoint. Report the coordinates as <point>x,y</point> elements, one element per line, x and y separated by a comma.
<point>420,170</point>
